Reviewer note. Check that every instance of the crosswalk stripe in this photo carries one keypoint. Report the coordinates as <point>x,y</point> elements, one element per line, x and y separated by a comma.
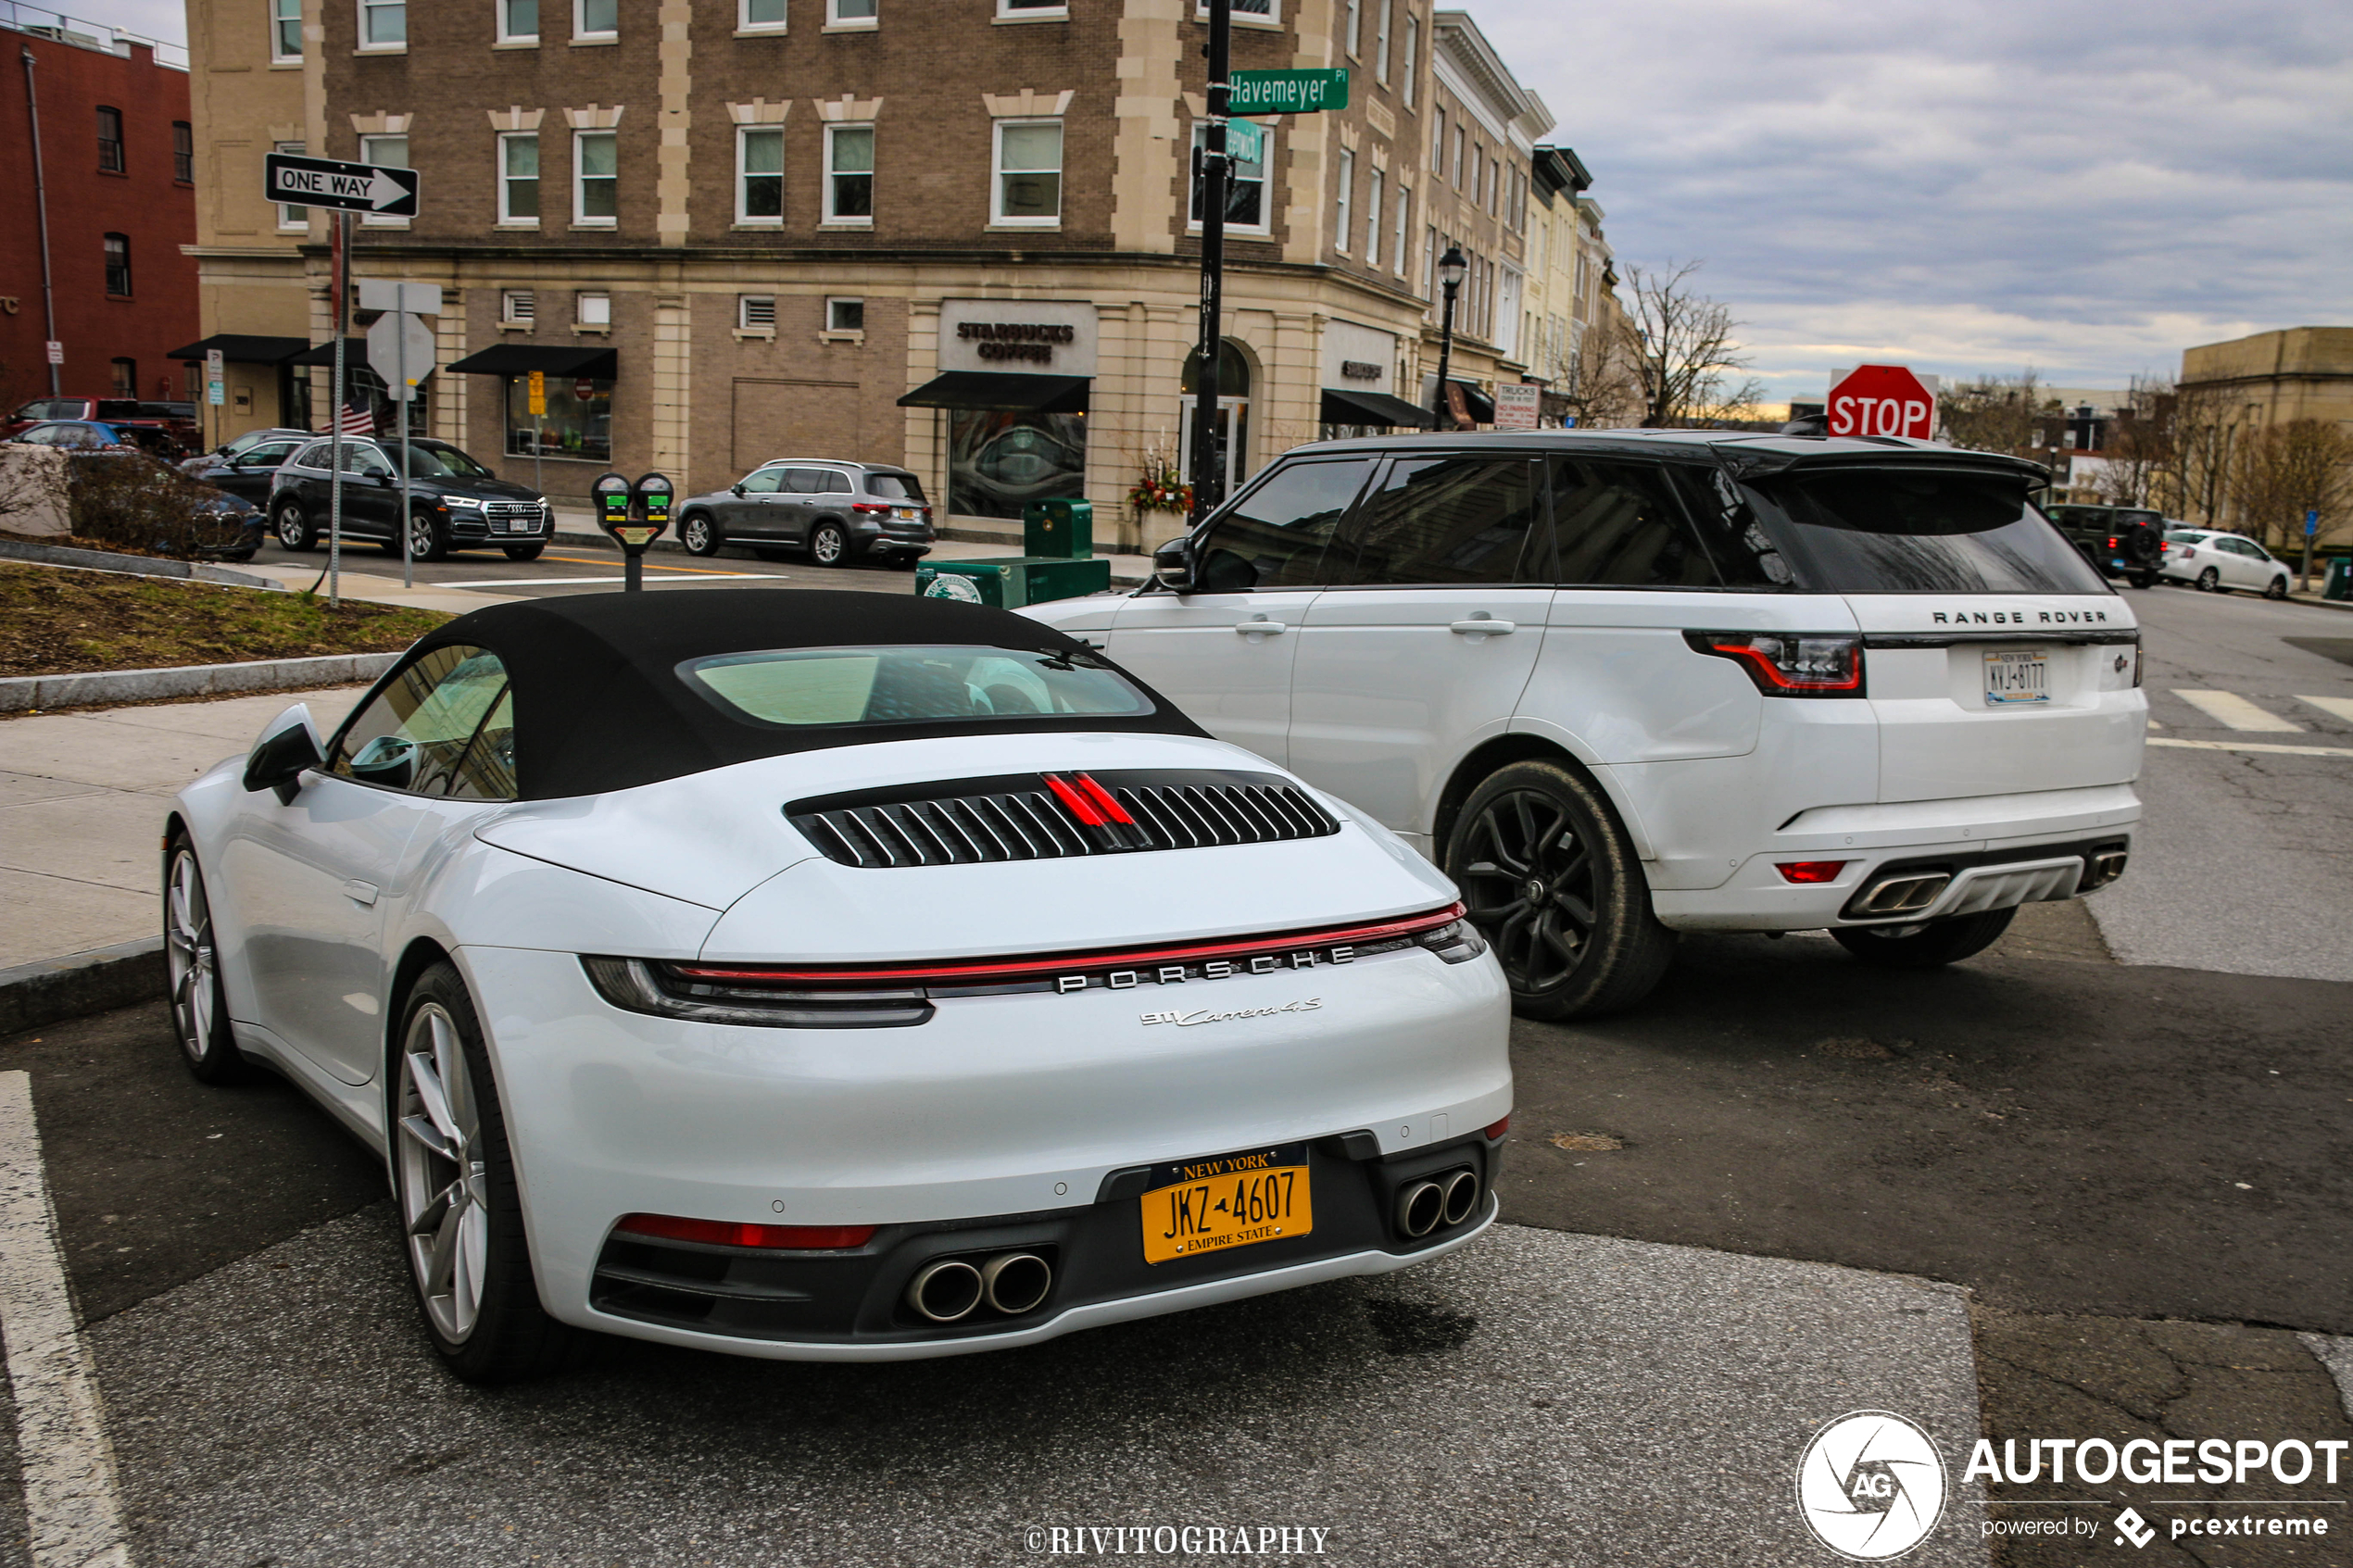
<point>2252,746</point>
<point>2335,706</point>
<point>2233,711</point>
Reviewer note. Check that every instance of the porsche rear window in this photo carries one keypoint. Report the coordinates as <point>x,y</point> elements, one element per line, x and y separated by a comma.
<point>803,688</point>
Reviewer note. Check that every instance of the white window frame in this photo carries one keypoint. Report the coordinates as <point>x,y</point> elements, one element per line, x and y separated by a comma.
<point>510,300</point>
<point>829,218</point>
<point>1265,224</point>
<point>368,154</point>
<point>745,24</point>
<point>1269,15</point>
<point>1032,11</point>
<point>1399,250</point>
<point>1344,201</point>
<point>588,300</point>
<point>366,8</point>
<point>1375,211</point>
<point>287,222</point>
<point>581,33</point>
<point>1353,29</point>
<point>580,180</point>
<point>743,175</point>
<point>1412,49</point>
<point>858,300</point>
<point>1381,40</point>
<point>998,218</point>
<point>280,13</point>
<point>505,8</point>
<point>1438,142</point>
<point>834,20</point>
<point>508,218</point>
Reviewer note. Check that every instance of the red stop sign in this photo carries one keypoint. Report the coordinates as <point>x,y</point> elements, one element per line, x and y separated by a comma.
<point>1881,400</point>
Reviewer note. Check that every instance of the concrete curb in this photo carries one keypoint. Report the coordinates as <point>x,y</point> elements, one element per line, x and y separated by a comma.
<point>137,566</point>
<point>21,693</point>
<point>97,980</point>
<point>962,536</point>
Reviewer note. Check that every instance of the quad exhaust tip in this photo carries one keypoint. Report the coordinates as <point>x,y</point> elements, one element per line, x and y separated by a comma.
<point>2106,866</point>
<point>1903,894</point>
<point>946,1291</point>
<point>1462,1197</point>
<point>952,1289</point>
<point>1447,1199</point>
<point>1015,1283</point>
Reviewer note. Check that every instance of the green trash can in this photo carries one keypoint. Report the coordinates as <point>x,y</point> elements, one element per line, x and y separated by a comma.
<point>2339,582</point>
<point>1063,529</point>
<point>1011,582</point>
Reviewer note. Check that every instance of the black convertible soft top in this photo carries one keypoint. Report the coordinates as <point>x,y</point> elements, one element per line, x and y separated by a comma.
<point>598,704</point>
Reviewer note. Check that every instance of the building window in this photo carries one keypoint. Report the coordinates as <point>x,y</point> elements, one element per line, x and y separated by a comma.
<point>517,307</point>
<point>1266,11</point>
<point>126,377</point>
<point>999,462</point>
<point>1438,142</point>
<point>1413,50</point>
<point>574,426</point>
<point>1459,140</point>
<point>292,217</point>
<point>1031,10</point>
<point>595,178</point>
<point>383,24</point>
<point>1347,193</point>
<point>845,315</point>
<point>1245,184</point>
<point>1373,215</point>
<point>519,178</point>
<point>1028,176</point>
<point>1495,182</point>
<point>1429,261</point>
<point>109,140</point>
<point>1380,42</point>
<point>1355,26</point>
<point>850,174</point>
<point>756,310</point>
<point>852,13</point>
<point>760,15</point>
<point>117,247</point>
<point>285,32</point>
<point>518,21</point>
<point>593,310</point>
<point>596,19</point>
<point>1397,247</point>
<point>183,152</point>
<point>385,152</point>
<point>759,174</point>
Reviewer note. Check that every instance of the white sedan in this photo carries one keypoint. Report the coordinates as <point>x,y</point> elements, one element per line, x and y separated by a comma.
<point>2217,562</point>
<point>832,976</point>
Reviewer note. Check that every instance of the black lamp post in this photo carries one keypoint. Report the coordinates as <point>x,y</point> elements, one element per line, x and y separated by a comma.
<point>1452,268</point>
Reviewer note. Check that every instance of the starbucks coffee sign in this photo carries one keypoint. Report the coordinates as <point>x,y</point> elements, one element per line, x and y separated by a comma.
<point>1036,336</point>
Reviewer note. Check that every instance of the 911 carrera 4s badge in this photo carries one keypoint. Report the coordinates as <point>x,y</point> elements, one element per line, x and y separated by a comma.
<point>1212,1015</point>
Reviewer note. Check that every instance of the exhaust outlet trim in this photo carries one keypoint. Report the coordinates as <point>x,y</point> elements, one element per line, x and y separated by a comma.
<point>1462,1197</point>
<point>938,1287</point>
<point>1015,1283</point>
<point>1420,1205</point>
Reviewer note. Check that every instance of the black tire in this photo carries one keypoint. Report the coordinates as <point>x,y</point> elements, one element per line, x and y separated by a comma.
<point>903,560</point>
<point>698,534</point>
<point>829,546</point>
<point>292,528</point>
<point>523,552</point>
<point>454,1191</point>
<point>428,537</point>
<point>2209,581</point>
<point>2145,580</point>
<point>1552,879</point>
<point>2277,588</point>
<point>1931,945</point>
<point>199,1005</point>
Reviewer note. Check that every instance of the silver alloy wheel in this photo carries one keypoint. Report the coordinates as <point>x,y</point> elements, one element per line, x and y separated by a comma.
<point>826,545</point>
<point>444,1187</point>
<point>188,955</point>
<point>2209,580</point>
<point>698,535</point>
<point>293,533</point>
<point>419,536</point>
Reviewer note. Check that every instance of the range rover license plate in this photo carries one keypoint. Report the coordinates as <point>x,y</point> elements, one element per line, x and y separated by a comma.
<point>2015,678</point>
<point>1214,1205</point>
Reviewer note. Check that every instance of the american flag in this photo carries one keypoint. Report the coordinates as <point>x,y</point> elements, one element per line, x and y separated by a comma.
<point>357,419</point>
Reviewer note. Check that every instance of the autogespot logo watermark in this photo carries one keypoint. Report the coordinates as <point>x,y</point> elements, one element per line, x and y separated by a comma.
<point>1871,1485</point>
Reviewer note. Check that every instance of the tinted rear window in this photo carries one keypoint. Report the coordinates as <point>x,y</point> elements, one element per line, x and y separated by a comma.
<point>796,687</point>
<point>895,488</point>
<point>117,408</point>
<point>1918,531</point>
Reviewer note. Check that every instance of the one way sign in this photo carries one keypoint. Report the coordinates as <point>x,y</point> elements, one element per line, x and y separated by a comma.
<point>352,187</point>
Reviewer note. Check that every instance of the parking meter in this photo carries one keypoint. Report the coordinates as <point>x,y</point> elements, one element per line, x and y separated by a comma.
<point>610,496</point>
<point>652,493</point>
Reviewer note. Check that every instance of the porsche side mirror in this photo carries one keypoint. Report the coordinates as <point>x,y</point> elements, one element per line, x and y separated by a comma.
<point>288,745</point>
<point>1173,565</point>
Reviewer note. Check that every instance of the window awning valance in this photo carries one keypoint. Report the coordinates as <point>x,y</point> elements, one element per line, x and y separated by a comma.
<point>242,349</point>
<point>521,359</point>
<point>1002,393</point>
<point>1343,406</point>
<point>354,352</point>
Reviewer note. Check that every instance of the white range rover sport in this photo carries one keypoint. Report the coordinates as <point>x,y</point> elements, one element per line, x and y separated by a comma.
<point>1624,683</point>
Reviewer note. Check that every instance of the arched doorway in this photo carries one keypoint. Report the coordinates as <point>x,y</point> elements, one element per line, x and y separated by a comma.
<point>1233,413</point>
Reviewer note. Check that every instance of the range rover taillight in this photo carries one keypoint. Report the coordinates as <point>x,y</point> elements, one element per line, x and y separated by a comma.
<point>1791,663</point>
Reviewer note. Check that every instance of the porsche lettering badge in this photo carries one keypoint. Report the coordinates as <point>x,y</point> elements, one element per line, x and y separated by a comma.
<point>1213,968</point>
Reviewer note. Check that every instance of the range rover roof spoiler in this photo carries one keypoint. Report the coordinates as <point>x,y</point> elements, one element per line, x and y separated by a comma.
<point>1749,463</point>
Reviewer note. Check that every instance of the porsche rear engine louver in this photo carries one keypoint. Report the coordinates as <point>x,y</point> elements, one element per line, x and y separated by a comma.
<point>1048,816</point>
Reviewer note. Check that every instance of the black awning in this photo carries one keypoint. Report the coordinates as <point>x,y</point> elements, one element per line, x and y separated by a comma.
<point>1003,394</point>
<point>240,348</point>
<point>354,352</point>
<point>521,359</point>
<point>1481,405</point>
<point>1345,406</point>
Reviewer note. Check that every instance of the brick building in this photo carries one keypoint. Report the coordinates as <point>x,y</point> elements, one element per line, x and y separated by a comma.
<point>117,178</point>
<point>951,233</point>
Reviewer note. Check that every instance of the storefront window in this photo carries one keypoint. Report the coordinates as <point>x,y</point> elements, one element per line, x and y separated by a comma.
<point>999,462</point>
<point>578,423</point>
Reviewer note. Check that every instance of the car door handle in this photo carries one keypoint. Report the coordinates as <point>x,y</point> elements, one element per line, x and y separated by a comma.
<point>361,892</point>
<point>1484,628</point>
<point>1260,628</point>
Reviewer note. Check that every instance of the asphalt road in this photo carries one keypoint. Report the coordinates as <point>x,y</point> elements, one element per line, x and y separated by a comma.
<point>594,569</point>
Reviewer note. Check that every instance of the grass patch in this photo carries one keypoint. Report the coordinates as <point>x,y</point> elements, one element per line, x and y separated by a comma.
<point>60,622</point>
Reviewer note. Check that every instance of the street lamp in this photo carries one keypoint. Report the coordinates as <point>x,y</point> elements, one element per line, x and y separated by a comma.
<point>1452,269</point>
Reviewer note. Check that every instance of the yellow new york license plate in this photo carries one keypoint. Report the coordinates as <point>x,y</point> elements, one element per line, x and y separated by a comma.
<point>1214,1205</point>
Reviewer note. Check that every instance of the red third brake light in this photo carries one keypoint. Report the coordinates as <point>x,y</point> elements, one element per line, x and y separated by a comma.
<point>727,1232</point>
<point>1810,870</point>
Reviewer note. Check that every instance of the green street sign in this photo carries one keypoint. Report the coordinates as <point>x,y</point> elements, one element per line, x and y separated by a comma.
<point>1246,142</point>
<point>1287,92</point>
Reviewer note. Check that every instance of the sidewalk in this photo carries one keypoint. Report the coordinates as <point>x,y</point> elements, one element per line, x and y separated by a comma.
<point>578,528</point>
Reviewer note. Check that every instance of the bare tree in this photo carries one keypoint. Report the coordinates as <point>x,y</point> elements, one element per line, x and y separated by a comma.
<point>1684,352</point>
<point>2284,470</point>
<point>2010,414</point>
<point>2197,478</point>
<point>2138,457</point>
<point>1604,391</point>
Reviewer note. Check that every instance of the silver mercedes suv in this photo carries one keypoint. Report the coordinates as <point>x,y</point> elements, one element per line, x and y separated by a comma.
<point>838,511</point>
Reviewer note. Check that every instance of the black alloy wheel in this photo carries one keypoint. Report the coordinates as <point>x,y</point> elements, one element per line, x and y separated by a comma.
<point>1554,882</point>
<point>828,544</point>
<point>1928,944</point>
<point>428,537</point>
<point>698,535</point>
<point>525,552</point>
<point>293,529</point>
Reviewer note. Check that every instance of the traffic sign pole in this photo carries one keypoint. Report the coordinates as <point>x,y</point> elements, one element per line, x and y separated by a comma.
<point>1209,470</point>
<point>401,394</point>
<point>338,274</point>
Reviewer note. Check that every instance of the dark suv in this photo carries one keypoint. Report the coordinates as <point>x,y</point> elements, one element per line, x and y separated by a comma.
<point>838,511</point>
<point>2123,542</point>
<point>454,502</point>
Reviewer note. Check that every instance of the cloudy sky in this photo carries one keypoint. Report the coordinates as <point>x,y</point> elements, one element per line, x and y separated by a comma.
<point>1967,186</point>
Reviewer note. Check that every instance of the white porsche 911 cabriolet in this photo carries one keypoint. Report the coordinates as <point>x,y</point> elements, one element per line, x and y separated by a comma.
<point>832,976</point>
